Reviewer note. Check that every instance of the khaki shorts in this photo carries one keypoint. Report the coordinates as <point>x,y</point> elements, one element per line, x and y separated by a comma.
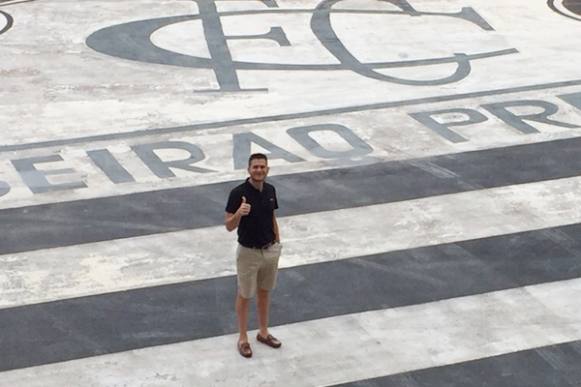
<point>256,268</point>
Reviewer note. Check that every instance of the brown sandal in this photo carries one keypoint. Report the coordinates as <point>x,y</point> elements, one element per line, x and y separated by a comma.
<point>244,349</point>
<point>269,340</point>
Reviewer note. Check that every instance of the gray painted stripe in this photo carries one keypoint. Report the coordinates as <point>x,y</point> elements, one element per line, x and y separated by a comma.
<point>551,366</point>
<point>115,322</point>
<point>93,220</point>
<point>396,340</point>
<point>289,116</point>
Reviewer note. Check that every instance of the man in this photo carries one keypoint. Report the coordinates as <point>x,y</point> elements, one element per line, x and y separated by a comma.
<point>251,208</point>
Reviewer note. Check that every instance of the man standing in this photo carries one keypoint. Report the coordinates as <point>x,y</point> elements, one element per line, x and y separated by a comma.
<point>251,208</point>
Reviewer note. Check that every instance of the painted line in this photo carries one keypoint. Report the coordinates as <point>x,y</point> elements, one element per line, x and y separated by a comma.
<point>559,8</point>
<point>9,22</point>
<point>284,117</point>
<point>6,3</point>
<point>146,213</point>
<point>551,366</point>
<point>115,322</point>
<point>112,266</point>
<point>342,348</point>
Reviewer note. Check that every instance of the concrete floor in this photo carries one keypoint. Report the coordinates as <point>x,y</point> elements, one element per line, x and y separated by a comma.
<point>426,156</point>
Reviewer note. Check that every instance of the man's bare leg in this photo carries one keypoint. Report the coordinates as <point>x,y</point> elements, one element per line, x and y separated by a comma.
<point>242,312</point>
<point>263,305</point>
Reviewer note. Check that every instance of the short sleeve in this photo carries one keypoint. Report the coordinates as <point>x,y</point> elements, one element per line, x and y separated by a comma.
<point>234,201</point>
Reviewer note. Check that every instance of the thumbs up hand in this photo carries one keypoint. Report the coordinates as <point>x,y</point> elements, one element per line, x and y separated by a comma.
<point>244,207</point>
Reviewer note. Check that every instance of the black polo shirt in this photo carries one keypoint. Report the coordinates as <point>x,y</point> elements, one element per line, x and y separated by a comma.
<point>257,228</point>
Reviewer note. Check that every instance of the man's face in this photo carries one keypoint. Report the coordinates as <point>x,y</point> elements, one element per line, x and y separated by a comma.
<point>258,170</point>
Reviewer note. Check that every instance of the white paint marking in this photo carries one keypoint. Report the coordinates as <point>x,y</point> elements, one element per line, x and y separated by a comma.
<point>52,274</point>
<point>343,348</point>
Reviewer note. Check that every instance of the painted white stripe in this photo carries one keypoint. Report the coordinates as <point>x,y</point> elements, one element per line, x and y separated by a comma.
<point>96,268</point>
<point>344,348</point>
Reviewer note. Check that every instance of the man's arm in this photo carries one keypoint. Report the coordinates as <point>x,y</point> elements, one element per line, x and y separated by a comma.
<point>275,224</point>
<point>232,220</point>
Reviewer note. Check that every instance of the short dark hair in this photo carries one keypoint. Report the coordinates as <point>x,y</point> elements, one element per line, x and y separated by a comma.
<point>257,156</point>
